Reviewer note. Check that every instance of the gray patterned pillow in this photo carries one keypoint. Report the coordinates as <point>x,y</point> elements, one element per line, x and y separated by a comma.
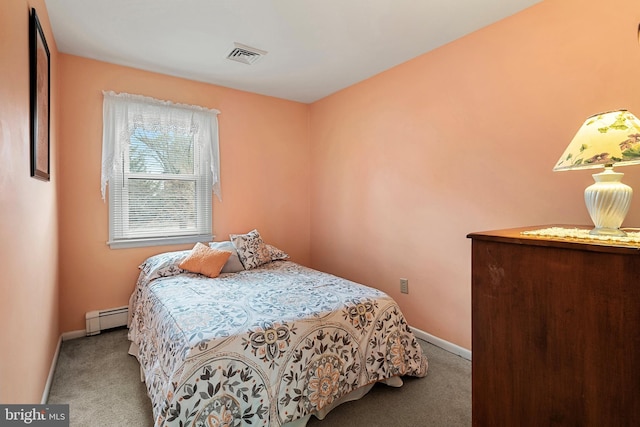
<point>252,250</point>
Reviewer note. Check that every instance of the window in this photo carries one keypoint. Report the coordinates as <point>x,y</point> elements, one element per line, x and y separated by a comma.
<point>162,164</point>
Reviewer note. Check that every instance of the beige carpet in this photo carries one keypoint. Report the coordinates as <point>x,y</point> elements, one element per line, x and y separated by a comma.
<point>101,384</point>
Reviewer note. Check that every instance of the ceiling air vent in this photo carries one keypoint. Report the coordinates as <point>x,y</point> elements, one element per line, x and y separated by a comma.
<point>245,54</point>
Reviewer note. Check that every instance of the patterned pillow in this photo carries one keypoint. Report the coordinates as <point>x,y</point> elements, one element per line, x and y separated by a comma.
<point>252,250</point>
<point>205,260</point>
<point>233,264</point>
<point>276,253</point>
<point>162,265</point>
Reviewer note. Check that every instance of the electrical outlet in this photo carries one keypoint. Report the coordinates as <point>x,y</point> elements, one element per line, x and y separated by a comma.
<point>404,286</point>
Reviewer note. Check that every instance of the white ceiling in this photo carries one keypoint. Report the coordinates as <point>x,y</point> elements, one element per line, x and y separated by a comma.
<point>315,47</point>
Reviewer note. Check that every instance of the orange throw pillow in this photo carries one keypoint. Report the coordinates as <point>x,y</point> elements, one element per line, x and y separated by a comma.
<point>205,260</point>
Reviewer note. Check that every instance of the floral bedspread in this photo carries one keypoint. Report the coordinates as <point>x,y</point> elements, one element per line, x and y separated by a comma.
<point>261,347</point>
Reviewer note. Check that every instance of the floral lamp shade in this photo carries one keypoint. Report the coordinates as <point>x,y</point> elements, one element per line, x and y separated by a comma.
<point>611,138</point>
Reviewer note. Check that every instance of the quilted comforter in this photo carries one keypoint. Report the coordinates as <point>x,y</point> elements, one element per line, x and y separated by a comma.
<point>262,347</point>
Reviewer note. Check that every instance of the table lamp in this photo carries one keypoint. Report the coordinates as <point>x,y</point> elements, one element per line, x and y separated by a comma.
<point>605,140</point>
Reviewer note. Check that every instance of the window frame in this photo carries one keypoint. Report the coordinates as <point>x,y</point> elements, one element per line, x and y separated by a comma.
<point>124,237</point>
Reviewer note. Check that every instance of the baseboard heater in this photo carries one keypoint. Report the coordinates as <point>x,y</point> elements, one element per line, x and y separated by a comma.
<point>101,320</point>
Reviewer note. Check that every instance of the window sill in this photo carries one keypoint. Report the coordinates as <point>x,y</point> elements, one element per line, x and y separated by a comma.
<point>158,241</point>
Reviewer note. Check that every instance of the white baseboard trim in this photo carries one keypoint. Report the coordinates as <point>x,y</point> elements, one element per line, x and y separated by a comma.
<point>72,335</point>
<point>52,370</point>
<point>443,344</point>
<point>54,362</point>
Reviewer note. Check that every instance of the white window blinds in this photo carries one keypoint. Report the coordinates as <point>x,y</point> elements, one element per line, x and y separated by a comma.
<point>161,161</point>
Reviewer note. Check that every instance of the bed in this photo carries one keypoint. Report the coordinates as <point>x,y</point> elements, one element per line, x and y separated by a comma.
<point>270,345</point>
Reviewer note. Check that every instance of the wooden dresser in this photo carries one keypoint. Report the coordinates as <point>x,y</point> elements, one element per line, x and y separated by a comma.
<point>555,331</point>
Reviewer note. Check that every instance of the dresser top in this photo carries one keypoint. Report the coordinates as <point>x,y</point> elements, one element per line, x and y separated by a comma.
<point>516,236</point>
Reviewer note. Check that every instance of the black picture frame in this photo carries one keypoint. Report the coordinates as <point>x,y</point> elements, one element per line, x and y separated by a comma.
<point>40,89</point>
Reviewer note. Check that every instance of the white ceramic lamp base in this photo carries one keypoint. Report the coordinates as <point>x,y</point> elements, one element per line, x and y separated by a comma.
<point>608,202</point>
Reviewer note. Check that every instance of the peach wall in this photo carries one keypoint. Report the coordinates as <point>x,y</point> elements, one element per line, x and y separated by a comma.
<point>28,219</point>
<point>463,139</point>
<point>264,152</point>
<point>358,184</point>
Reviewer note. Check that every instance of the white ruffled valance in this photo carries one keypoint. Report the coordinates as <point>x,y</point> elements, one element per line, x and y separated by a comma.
<point>123,113</point>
